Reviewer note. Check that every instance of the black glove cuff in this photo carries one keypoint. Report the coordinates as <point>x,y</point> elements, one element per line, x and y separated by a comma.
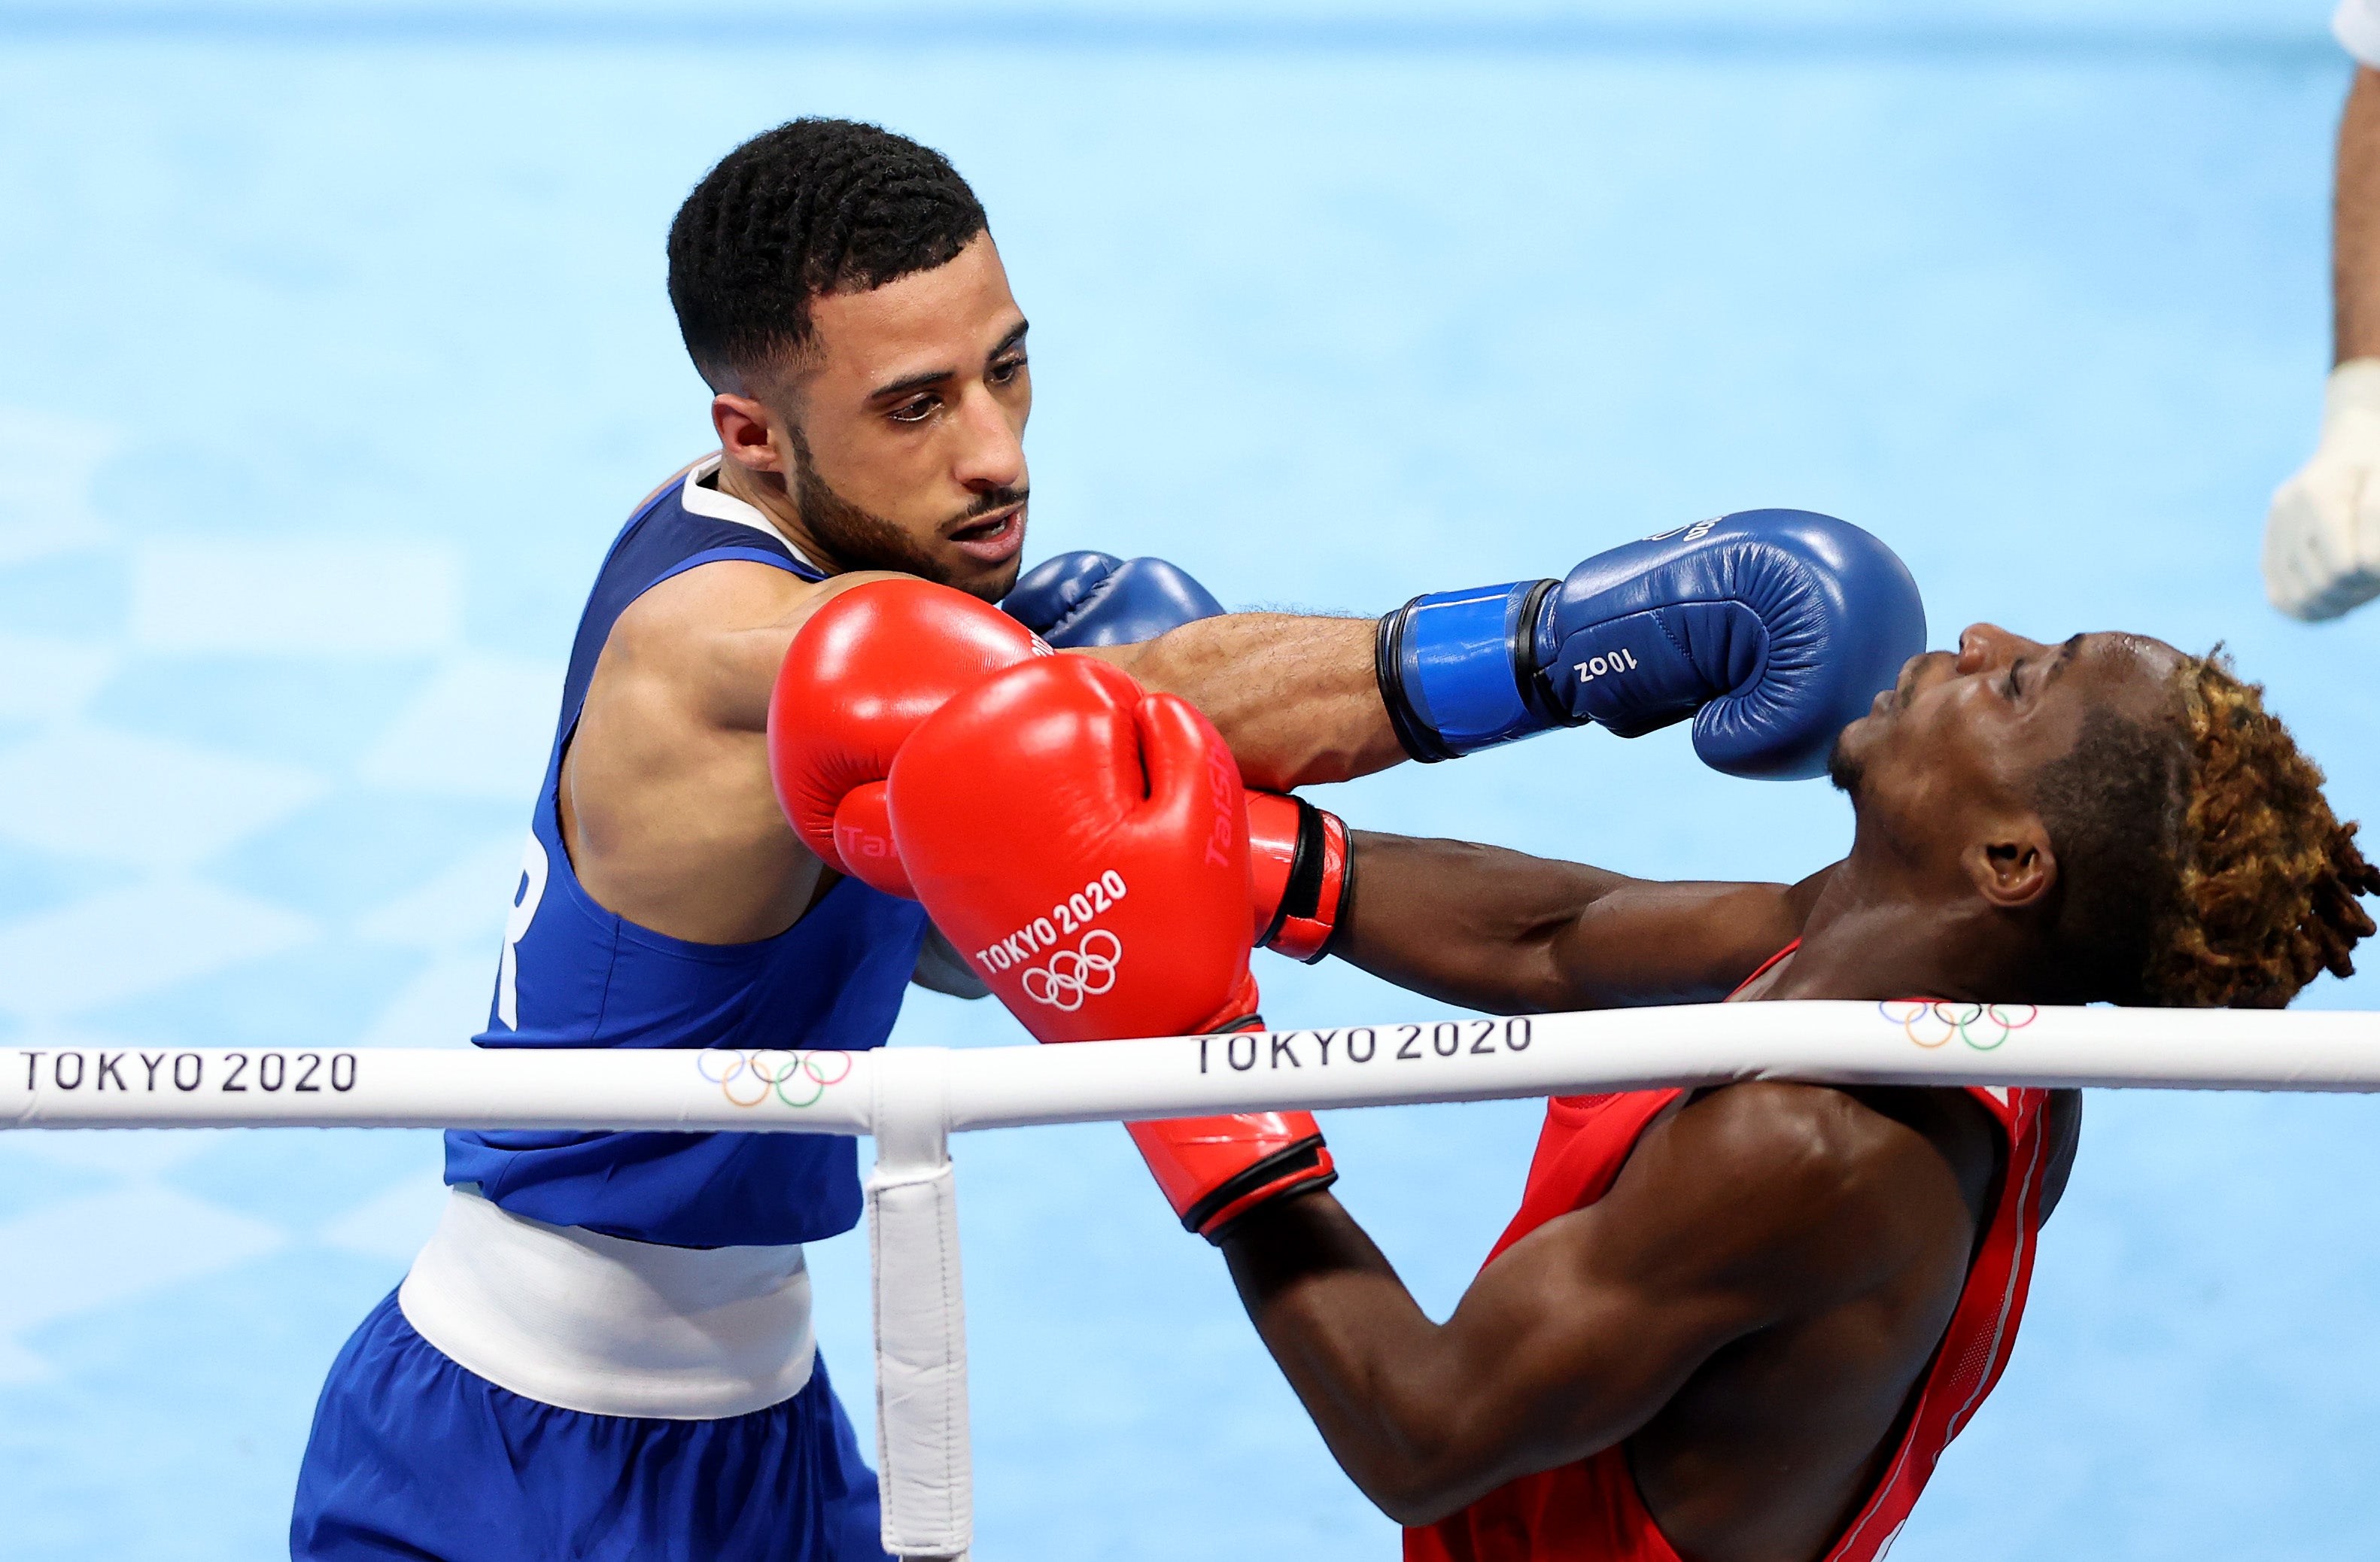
<point>1300,895</point>
<point>1301,1157</point>
<point>1537,686</point>
<point>1346,909</point>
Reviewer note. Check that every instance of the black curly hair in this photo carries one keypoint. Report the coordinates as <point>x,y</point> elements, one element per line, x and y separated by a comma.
<point>813,206</point>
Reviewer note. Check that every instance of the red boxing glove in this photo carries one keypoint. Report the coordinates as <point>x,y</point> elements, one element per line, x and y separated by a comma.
<point>1213,1170</point>
<point>1305,870</point>
<point>1085,844</point>
<point>857,679</point>
<point>1097,904</point>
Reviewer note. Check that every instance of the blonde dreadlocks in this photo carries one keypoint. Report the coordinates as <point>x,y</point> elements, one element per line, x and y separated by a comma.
<point>2267,881</point>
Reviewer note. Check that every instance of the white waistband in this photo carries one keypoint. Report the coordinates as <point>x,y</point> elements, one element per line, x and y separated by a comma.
<point>600,1324</point>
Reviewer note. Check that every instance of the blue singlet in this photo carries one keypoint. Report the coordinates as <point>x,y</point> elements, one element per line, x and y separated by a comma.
<point>414,1457</point>
<point>572,975</point>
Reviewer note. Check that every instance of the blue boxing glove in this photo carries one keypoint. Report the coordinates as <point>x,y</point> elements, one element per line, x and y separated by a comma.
<point>1089,599</point>
<point>1773,629</point>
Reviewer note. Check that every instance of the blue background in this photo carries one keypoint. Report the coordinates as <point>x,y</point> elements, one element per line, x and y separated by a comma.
<point>334,347</point>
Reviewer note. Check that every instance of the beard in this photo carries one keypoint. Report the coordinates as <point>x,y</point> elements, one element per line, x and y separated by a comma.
<point>1845,770</point>
<point>861,540</point>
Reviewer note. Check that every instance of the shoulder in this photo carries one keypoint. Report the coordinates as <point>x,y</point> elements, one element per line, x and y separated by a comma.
<point>729,601</point>
<point>1831,1186</point>
<point>1813,1144</point>
<point>717,597</point>
<point>681,628</point>
<point>712,639</point>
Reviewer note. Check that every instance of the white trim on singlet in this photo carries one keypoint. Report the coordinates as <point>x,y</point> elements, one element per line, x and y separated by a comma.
<point>571,1318</point>
<point>721,505</point>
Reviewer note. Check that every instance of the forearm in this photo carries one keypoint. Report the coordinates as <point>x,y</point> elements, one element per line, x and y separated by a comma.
<point>1295,697</point>
<point>1477,926</point>
<point>1508,933</point>
<point>2355,223</point>
<point>1360,1355</point>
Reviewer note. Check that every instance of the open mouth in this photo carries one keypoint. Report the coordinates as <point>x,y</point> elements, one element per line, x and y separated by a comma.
<point>993,539</point>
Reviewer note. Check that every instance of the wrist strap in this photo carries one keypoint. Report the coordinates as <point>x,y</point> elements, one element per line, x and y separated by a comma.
<point>1308,877</point>
<point>1301,893</point>
<point>1452,668</point>
<point>1413,735</point>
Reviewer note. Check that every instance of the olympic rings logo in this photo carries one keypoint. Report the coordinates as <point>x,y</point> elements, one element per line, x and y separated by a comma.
<point>1931,1023</point>
<point>1075,974</point>
<point>747,1079</point>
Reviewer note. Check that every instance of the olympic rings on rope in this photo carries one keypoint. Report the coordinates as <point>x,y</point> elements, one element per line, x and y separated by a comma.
<point>1932,1023</point>
<point>1077,974</point>
<point>747,1079</point>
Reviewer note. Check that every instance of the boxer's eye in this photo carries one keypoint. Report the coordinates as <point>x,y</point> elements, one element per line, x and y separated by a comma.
<point>915,411</point>
<point>1007,369</point>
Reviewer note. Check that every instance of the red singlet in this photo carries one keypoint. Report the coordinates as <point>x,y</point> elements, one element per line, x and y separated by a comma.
<point>1590,1511</point>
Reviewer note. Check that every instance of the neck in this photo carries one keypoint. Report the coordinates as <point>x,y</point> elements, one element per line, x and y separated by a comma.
<point>766,492</point>
<point>1875,935</point>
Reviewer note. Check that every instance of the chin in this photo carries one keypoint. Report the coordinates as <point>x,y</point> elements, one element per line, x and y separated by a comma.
<point>1846,768</point>
<point>987,584</point>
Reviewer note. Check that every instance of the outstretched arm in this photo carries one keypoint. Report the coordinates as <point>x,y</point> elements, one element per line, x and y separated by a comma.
<point>1749,1208</point>
<point>1508,933</point>
<point>1297,698</point>
<point>1629,641</point>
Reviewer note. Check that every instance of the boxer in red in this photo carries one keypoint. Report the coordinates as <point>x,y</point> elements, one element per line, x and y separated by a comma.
<point>1736,1324</point>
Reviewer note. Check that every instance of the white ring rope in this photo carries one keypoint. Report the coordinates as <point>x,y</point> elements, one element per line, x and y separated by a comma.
<point>1908,1042</point>
<point>912,1097</point>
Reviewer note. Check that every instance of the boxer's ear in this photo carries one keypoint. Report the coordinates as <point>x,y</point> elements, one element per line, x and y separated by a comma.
<point>747,432</point>
<point>2012,864</point>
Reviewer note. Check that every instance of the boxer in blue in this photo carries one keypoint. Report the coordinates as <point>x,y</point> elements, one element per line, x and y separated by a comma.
<point>604,1352</point>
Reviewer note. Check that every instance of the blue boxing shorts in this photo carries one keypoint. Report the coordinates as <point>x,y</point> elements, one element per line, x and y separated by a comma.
<point>415,1457</point>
